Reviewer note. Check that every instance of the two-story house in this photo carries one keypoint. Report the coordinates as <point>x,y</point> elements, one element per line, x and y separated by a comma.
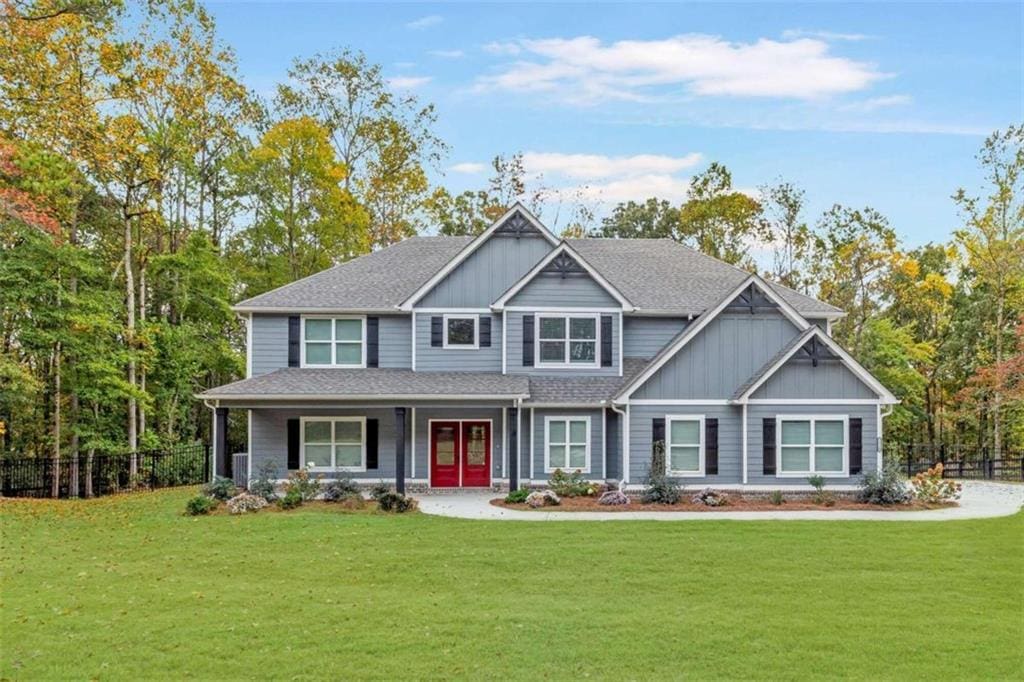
<point>449,362</point>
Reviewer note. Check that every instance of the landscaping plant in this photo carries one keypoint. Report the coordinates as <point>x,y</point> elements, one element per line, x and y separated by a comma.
<point>776,498</point>
<point>378,490</point>
<point>342,489</point>
<point>245,502</point>
<point>572,485</point>
<point>660,489</point>
<point>931,488</point>
<point>264,483</point>
<point>543,498</point>
<point>710,498</point>
<point>200,505</point>
<point>613,498</point>
<point>517,496</point>
<point>292,498</point>
<point>820,496</point>
<point>396,502</point>
<point>305,485</point>
<point>220,488</point>
<point>884,487</point>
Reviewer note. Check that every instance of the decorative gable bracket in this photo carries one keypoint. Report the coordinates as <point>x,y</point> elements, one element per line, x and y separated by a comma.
<point>517,226</point>
<point>816,352</point>
<point>563,265</point>
<point>751,299</point>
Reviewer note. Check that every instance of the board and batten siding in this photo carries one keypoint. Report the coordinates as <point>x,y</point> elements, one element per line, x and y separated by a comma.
<point>730,445</point>
<point>552,291</point>
<point>514,342</point>
<point>487,273</point>
<point>798,378</point>
<point>644,337</point>
<point>755,440</point>
<point>597,470</point>
<point>433,359</point>
<point>723,356</point>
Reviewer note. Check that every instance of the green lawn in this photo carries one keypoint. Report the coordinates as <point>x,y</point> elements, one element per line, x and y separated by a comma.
<point>128,588</point>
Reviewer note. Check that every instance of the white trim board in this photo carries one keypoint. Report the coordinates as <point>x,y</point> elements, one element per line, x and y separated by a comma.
<point>567,419</point>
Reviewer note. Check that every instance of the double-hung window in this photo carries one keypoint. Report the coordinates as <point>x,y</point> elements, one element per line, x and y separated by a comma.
<point>334,444</point>
<point>334,342</point>
<point>567,341</point>
<point>812,445</point>
<point>567,443</point>
<point>461,331</point>
<point>684,449</point>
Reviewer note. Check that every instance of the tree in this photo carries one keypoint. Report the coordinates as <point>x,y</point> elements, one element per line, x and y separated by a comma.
<point>653,219</point>
<point>783,205</point>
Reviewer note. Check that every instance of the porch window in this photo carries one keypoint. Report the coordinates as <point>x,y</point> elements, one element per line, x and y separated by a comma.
<point>461,331</point>
<point>334,444</point>
<point>567,341</point>
<point>685,446</point>
<point>333,342</point>
<point>812,445</point>
<point>567,444</point>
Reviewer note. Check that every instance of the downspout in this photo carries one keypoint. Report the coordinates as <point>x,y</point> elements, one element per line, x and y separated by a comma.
<point>624,433</point>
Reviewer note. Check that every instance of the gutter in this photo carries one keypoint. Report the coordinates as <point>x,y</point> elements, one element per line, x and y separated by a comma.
<point>367,397</point>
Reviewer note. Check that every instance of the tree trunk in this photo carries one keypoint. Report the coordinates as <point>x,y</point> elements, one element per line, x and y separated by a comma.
<point>997,394</point>
<point>129,288</point>
<point>55,485</point>
<point>142,370</point>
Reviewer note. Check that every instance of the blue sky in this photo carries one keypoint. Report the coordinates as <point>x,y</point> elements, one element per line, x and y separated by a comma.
<point>861,104</point>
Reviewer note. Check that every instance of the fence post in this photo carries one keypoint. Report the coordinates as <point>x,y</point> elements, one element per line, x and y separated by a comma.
<point>206,462</point>
<point>152,471</point>
<point>910,457</point>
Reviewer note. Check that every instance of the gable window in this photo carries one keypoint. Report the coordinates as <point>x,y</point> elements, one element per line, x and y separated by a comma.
<point>334,342</point>
<point>812,445</point>
<point>567,443</point>
<point>334,444</point>
<point>567,340</point>
<point>684,449</point>
<point>461,331</point>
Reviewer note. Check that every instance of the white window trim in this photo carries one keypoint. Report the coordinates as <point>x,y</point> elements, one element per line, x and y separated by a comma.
<point>476,331</point>
<point>333,342</point>
<point>537,362</point>
<point>333,421</point>
<point>683,473</point>
<point>812,418</point>
<point>548,469</point>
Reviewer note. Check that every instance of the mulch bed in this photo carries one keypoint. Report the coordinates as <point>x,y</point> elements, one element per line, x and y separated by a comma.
<point>736,503</point>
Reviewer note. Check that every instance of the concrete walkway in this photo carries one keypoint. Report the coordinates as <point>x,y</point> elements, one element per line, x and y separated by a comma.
<point>980,499</point>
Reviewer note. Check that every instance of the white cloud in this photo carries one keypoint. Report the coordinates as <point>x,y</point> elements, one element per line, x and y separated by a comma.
<point>408,82</point>
<point>468,167</point>
<point>584,70</point>
<point>447,54</point>
<point>638,188</point>
<point>790,34</point>
<point>424,22</point>
<point>876,103</point>
<point>596,166</point>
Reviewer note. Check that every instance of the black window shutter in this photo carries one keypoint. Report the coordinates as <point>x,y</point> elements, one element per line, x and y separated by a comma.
<point>485,331</point>
<point>527,340</point>
<point>657,429</point>
<point>372,437</point>
<point>294,336</point>
<point>711,446</point>
<point>293,444</point>
<point>437,331</point>
<point>373,342</point>
<point>856,445</point>
<point>768,445</point>
<point>606,340</point>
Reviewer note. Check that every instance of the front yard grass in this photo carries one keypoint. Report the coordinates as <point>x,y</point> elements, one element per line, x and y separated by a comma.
<point>129,588</point>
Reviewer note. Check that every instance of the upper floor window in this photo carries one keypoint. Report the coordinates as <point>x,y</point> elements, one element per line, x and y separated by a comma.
<point>334,342</point>
<point>567,341</point>
<point>461,331</point>
<point>812,445</point>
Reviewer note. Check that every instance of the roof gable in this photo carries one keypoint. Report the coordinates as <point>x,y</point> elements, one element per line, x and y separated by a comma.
<point>563,263</point>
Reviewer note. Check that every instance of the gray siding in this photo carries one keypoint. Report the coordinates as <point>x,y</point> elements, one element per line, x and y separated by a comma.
<point>488,273</point>
<point>720,358</point>
<point>430,359</point>
<point>730,445</point>
<point>800,379</point>
<point>576,291</point>
<point>514,341</point>
<point>597,469</point>
<point>613,435</point>
<point>395,350</point>
<point>644,337</point>
<point>269,343</point>
<point>755,440</point>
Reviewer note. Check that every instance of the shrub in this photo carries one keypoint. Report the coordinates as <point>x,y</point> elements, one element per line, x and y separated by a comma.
<point>572,485</point>
<point>220,488</point>
<point>199,505</point>
<point>395,502</point>
<point>263,484</point>
<point>307,487</point>
<point>341,489</point>
<point>710,498</point>
<point>929,486</point>
<point>543,498</point>
<point>517,496</point>
<point>613,497</point>
<point>820,496</point>
<point>379,490</point>
<point>246,502</point>
<point>660,489</point>
<point>776,498</point>
<point>884,487</point>
<point>292,499</point>
<point>352,502</point>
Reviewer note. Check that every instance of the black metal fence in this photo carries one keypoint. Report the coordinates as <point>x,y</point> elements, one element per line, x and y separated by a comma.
<point>97,475</point>
<point>958,461</point>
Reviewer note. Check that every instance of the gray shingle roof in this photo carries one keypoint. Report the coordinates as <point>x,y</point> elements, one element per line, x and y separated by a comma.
<point>377,281</point>
<point>661,274</point>
<point>798,340</point>
<point>582,390</point>
<point>297,382</point>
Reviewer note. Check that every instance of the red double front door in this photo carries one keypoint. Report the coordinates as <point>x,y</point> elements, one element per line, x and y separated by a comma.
<point>460,454</point>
